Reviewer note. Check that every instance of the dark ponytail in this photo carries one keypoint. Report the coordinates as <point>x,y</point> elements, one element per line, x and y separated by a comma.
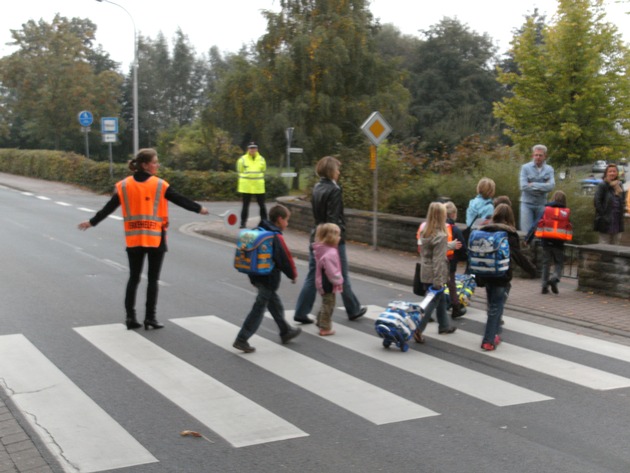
<point>144,156</point>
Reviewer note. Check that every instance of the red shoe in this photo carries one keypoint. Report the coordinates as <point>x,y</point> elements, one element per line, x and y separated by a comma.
<point>326,333</point>
<point>497,340</point>
<point>488,346</point>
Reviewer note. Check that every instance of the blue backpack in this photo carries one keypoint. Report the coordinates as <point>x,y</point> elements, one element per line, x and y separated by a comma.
<point>488,253</point>
<point>254,251</point>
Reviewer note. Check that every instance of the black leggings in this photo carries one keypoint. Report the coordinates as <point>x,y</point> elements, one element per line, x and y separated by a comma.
<point>136,261</point>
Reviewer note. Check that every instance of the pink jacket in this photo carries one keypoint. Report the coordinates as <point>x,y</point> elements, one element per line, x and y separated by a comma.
<point>327,259</point>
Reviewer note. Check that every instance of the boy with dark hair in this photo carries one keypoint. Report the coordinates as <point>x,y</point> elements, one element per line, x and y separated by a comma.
<point>268,285</point>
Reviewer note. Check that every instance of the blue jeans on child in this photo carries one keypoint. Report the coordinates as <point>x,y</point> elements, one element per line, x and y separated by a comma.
<point>495,296</point>
<point>439,303</point>
<point>266,299</point>
<point>306,299</point>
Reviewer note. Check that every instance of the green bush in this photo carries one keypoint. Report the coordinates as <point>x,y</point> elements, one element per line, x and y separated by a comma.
<point>75,169</point>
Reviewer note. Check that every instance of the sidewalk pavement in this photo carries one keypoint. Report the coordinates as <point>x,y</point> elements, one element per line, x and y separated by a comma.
<point>21,451</point>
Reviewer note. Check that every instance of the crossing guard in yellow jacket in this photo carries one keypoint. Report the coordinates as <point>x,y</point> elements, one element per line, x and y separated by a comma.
<point>251,169</point>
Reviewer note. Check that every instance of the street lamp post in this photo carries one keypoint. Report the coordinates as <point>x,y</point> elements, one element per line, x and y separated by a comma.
<point>135,78</point>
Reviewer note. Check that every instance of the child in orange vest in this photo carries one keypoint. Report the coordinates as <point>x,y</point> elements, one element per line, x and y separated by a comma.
<point>553,243</point>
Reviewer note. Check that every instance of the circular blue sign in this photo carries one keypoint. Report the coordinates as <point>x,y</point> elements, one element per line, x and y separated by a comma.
<point>85,118</point>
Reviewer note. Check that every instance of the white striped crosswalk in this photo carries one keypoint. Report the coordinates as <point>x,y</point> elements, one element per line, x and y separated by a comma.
<point>91,440</point>
<point>191,389</point>
<point>75,428</point>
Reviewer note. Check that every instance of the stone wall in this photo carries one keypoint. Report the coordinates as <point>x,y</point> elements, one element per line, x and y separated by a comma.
<point>604,269</point>
<point>393,231</point>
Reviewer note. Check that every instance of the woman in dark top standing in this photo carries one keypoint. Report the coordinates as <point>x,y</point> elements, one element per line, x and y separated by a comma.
<point>143,197</point>
<point>610,207</point>
<point>327,204</point>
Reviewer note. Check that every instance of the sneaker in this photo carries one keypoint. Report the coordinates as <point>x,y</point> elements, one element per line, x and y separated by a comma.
<point>545,290</point>
<point>361,313</point>
<point>447,330</point>
<point>304,321</point>
<point>292,333</point>
<point>497,340</point>
<point>554,285</point>
<point>458,311</point>
<point>326,333</point>
<point>488,346</point>
<point>243,346</point>
<point>417,336</point>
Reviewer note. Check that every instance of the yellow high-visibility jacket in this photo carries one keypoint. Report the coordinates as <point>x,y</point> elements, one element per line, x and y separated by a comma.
<point>251,174</point>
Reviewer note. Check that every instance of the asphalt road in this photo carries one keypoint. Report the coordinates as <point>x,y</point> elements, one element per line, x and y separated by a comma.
<point>104,398</point>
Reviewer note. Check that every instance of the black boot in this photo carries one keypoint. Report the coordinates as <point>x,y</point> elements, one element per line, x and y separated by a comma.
<point>154,324</point>
<point>132,323</point>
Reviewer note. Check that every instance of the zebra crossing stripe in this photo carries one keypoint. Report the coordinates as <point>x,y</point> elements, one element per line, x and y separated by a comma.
<point>566,370</point>
<point>81,435</point>
<point>478,385</point>
<point>562,337</point>
<point>237,419</point>
<point>344,390</point>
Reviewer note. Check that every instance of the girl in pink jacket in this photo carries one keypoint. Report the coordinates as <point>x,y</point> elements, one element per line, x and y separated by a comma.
<point>328,278</point>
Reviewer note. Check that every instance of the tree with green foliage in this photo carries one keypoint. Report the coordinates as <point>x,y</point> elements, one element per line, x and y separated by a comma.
<point>571,89</point>
<point>316,69</point>
<point>453,85</point>
<point>56,73</point>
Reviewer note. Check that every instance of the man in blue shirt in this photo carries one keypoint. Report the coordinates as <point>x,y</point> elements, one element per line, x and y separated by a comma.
<point>536,181</point>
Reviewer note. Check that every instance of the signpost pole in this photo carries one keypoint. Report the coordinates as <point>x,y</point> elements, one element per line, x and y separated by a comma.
<point>376,129</point>
<point>87,142</point>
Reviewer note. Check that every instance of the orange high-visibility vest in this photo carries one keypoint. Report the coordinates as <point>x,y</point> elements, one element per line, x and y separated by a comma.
<point>555,224</point>
<point>145,210</point>
<point>449,234</point>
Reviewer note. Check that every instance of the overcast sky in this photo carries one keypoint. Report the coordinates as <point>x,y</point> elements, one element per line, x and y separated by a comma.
<point>232,23</point>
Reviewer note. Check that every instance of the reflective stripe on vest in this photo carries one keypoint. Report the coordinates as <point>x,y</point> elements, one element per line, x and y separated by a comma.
<point>145,211</point>
<point>449,235</point>
<point>555,224</point>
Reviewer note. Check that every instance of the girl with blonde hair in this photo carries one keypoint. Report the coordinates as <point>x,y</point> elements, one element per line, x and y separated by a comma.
<point>434,270</point>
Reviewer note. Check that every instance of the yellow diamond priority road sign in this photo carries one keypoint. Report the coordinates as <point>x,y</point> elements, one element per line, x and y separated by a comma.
<point>376,128</point>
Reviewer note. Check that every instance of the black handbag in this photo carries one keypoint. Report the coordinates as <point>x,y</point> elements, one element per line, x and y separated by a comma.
<point>419,288</point>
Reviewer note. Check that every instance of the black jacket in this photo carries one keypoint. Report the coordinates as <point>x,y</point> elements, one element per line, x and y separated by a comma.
<point>462,253</point>
<point>603,200</point>
<point>281,257</point>
<point>327,203</point>
<point>516,256</point>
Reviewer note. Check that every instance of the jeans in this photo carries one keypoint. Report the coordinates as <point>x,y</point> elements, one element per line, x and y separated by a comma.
<point>306,299</point>
<point>136,261</point>
<point>267,298</point>
<point>496,297</point>
<point>438,304</point>
<point>555,255</point>
<point>530,214</point>
<point>260,198</point>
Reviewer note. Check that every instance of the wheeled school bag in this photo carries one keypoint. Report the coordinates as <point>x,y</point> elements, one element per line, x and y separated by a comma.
<point>488,253</point>
<point>466,285</point>
<point>398,323</point>
<point>254,251</point>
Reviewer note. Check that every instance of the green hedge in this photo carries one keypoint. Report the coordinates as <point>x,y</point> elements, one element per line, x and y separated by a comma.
<point>75,169</point>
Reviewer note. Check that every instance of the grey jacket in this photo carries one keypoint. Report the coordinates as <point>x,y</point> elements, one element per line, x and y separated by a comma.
<point>434,268</point>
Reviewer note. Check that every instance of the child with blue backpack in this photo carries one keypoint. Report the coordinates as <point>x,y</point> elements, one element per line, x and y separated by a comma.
<point>497,286</point>
<point>268,284</point>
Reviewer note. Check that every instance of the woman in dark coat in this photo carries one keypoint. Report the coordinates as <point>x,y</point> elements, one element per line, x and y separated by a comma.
<point>610,207</point>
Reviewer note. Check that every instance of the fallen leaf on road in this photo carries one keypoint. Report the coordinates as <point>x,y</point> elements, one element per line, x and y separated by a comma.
<point>192,433</point>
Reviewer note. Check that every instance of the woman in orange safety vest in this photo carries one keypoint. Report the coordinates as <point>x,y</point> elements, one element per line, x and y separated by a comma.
<point>143,198</point>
